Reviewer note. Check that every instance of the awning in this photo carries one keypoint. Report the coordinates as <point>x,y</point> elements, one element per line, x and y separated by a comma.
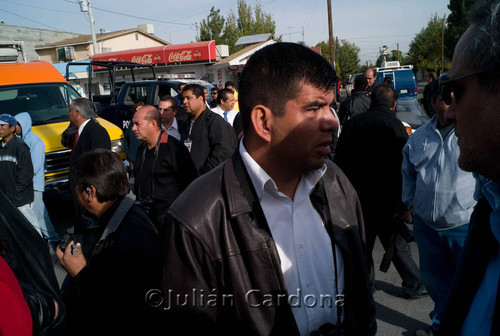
<point>173,54</point>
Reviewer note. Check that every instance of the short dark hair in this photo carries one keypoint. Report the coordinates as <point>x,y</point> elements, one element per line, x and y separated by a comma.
<point>105,171</point>
<point>229,83</point>
<point>215,88</point>
<point>432,74</point>
<point>360,82</point>
<point>482,52</point>
<point>223,95</point>
<point>137,106</point>
<point>383,95</point>
<point>272,76</point>
<point>387,80</point>
<point>170,99</point>
<point>197,90</point>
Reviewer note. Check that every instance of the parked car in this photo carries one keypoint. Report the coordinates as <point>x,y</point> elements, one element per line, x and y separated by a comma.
<point>409,111</point>
<point>350,83</point>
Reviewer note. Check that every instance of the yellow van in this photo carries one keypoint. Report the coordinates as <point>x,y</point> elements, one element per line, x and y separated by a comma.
<point>38,88</point>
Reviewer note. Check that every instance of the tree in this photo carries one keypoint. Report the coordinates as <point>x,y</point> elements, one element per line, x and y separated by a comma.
<point>325,49</point>
<point>212,27</point>
<point>425,48</point>
<point>457,23</point>
<point>244,21</point>
<point>346,56</point>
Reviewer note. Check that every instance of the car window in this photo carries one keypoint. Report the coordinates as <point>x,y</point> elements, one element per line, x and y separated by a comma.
<point>137,93</point>
<point>164,90</point>
<point>46,103</point>
<point>410,111</point>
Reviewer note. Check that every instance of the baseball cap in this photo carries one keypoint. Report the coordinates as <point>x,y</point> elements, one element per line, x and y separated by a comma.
<point>7,119</point>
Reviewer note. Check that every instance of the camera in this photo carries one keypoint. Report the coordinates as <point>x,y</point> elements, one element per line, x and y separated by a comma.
<point>65,240</point>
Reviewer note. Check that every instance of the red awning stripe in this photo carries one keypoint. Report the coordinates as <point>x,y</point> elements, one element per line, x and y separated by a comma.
<point>198,52</point>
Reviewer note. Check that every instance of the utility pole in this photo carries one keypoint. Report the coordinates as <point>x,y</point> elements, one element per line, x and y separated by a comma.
<point>102,38</point>
<point>442,45</point>
<point>398,53</point>
<point>85,7</point>
<point>290,33</point>
<point>330,34</point>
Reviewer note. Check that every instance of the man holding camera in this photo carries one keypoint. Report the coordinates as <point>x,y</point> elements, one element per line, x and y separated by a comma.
<point>163,167</point>
<point>117,261</point>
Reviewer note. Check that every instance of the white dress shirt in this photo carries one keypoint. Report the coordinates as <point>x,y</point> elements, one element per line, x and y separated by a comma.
<point>230,114</point>
<point>82,126</point>
<point>303,244</point>
<point>173,130</point>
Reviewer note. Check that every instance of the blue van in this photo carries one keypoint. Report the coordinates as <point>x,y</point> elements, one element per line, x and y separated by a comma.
<point>402,77</point>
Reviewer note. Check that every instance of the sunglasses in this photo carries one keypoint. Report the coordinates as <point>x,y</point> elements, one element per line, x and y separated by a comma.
<point>451,88</point>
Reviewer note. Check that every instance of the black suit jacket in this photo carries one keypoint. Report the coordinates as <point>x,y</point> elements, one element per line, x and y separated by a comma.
<point>213,140</point>
<point>93,136</point>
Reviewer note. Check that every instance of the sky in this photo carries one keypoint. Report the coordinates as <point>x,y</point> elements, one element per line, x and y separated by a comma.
<point>367,23</point>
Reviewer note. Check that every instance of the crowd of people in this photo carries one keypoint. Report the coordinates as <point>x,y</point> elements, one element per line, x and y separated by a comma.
<point>243,220</point>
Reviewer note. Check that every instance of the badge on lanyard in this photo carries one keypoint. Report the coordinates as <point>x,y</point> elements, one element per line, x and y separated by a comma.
<point>188,144</point>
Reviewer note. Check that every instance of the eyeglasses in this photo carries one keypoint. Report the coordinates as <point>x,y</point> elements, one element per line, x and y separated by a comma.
<point>452,86</point>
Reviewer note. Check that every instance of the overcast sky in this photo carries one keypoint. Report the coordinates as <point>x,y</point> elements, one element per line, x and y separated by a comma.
<point>367,23</point>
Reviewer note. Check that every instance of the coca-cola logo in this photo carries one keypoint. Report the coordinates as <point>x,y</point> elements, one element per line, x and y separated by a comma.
<point>180,56</point>
<point>144,59</point>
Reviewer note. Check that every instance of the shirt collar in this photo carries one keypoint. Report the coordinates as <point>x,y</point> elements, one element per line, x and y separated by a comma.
<point>82,126</point>
<point>262,181</point>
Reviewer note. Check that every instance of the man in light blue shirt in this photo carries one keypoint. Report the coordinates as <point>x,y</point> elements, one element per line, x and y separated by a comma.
<point>440,196</point>
<point>473,93</point>
<point>168,110</point>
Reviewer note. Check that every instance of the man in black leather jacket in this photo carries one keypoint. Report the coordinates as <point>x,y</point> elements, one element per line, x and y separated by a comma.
<point>259,245</point>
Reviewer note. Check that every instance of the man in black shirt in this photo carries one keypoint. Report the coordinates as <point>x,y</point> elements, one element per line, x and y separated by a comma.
<point>163,166</point>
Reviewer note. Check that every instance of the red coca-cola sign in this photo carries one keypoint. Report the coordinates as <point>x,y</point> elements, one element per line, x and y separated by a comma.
<point>178,53</point>
<point>180,56</point>
<point>144,59</point>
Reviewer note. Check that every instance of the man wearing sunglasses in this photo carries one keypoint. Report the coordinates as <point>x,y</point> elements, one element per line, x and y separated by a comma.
<point>441,198</point>
<point>473,93</point>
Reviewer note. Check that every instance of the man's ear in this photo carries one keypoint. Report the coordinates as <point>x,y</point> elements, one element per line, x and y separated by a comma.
<point>91,192</point>
<point>262,121</point>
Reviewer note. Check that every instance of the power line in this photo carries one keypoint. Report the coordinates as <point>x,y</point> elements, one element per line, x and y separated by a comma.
<point>3,10</point>
<point>36,7</point>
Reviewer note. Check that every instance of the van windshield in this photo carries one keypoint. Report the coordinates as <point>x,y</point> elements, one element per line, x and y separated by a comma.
<point>46,103</point>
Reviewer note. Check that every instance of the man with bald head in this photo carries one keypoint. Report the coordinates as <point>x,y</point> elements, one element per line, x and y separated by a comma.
<point>163,167</point>
<point>473,93</point>
<point>371,76</point>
